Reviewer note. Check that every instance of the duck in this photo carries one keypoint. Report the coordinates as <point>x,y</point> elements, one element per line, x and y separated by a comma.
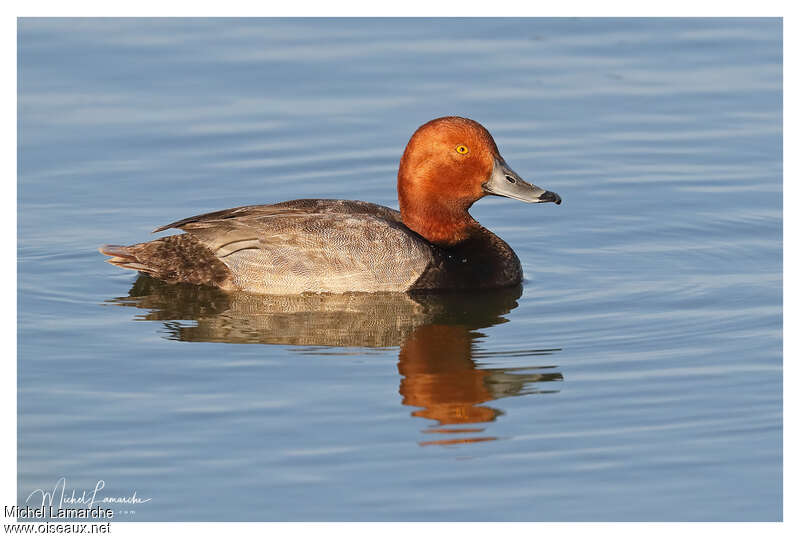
<point>340,246</point>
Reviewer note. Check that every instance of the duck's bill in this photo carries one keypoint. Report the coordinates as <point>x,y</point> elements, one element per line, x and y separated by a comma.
<point>505,182</point>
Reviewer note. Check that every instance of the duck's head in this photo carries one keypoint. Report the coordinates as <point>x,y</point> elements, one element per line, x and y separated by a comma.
<point>449,163</point>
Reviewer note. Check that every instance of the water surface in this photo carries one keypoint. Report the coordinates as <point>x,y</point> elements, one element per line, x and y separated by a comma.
<point>636,374</point>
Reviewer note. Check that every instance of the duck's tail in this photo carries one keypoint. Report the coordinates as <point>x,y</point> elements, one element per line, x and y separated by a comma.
<point>180,258</point>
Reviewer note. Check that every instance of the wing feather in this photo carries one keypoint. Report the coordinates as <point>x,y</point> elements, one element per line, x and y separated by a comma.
<point>312,245</point>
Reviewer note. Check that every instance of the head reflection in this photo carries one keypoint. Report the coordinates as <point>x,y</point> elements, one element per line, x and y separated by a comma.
<point>441,377</point>
<point>439,361</point>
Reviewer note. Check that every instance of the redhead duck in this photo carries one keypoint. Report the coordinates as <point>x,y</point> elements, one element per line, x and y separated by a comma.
<point>317,245</point>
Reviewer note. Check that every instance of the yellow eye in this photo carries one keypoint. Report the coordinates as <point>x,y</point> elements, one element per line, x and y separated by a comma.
<point>462,149</point>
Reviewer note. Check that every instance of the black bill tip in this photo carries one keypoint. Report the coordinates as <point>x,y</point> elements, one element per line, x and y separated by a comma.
<point>549,196</point>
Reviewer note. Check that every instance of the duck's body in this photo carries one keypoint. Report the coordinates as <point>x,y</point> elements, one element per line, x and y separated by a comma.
<point>316,245</point>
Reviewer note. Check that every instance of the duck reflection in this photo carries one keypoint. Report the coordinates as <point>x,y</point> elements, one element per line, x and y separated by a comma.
<point>436,333</point>
<point>441,377</point>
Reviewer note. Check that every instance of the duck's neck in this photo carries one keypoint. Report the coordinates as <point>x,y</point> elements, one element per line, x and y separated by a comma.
<point>442,224</point>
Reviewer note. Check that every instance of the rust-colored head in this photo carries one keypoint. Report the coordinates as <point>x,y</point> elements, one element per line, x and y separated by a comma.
<point>448,164</point>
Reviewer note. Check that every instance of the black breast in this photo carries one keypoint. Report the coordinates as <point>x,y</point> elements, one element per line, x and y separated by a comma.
<point>482,261</point>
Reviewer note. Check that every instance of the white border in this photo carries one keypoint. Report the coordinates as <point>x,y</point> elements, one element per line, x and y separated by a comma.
<point>407,8</point>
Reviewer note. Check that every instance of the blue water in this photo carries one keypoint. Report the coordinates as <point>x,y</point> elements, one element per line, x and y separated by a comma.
<point>636,375</point>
